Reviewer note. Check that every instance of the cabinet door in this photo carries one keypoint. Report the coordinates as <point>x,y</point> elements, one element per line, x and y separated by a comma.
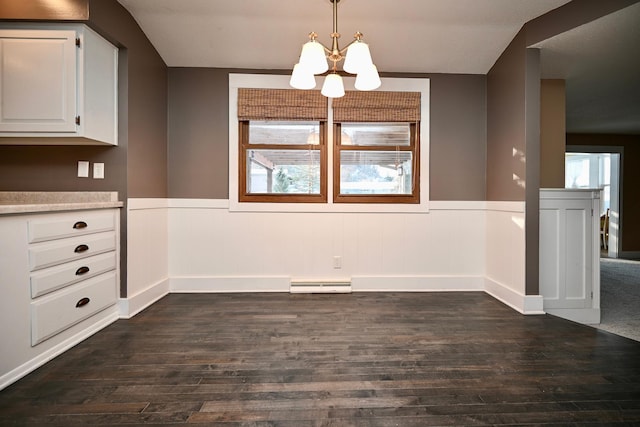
<point>37,81</point>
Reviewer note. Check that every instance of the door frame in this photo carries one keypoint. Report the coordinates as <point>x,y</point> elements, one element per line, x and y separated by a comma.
<point>616,214</point>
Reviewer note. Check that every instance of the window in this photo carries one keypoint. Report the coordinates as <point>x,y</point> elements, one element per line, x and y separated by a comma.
<point>297,151</point>
<point>590,170</point>
<point>376,147</point>
<point>375,162</point>
<point>283,155</point>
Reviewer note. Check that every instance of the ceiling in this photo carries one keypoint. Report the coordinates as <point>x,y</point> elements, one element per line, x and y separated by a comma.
<point>599,60</point>
<point>452,36</point>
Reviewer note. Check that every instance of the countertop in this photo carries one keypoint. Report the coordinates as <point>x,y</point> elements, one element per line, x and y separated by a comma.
<point>17,202</point>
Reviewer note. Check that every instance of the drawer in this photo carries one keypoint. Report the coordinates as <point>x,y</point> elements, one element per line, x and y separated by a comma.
<point>53,313</point>
<point>70,224</point>
<point>47,254</point>
<point>53,278</point>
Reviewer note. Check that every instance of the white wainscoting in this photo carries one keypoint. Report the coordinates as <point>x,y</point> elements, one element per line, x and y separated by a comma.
<point>505,262</point>
<point>214,250</point>
<point>199,245</point>
<point>147,254</point>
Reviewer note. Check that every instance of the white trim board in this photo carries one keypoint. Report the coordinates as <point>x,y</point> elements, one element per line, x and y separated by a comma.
<point>108,316</point>
<point>142,204</point>
<point>130,306</point>
<point>525,304</point>
<point>229,284</point>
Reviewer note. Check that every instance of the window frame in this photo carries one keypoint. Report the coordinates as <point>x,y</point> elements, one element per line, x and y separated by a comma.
<point>245,145</point>
<point>413,148</point>
<point>270,81</point>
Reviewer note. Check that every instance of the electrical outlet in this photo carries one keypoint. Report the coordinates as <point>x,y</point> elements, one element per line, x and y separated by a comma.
<point>337,262</point>
<point>98,171</point>
<point>83,169</point>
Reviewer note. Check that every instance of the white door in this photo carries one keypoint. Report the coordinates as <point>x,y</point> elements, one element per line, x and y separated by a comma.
<point>37,81</point>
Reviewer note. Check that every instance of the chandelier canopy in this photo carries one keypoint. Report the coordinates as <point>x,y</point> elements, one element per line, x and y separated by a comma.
<point>313,61</point>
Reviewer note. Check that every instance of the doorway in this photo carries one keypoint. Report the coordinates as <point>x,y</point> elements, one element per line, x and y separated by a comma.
<point>599,167</point>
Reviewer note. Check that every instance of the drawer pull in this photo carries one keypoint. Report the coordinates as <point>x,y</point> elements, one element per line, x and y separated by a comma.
<point>82,302</point>
<point>79,225</point>
<point>82,270</point>
<point>81,248</point>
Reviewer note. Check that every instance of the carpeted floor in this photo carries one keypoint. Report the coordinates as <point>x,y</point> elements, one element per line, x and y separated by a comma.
<point>620,297</point>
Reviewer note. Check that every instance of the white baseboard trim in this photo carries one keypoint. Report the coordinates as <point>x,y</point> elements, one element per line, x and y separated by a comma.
<point>586,316</point>
<point>525,304</point>
<point>230,284</point>
<point>629,254</point>
<point>358,284</point>
<point>416,283</point>
<point>130,306</point>
<point>107,317</point>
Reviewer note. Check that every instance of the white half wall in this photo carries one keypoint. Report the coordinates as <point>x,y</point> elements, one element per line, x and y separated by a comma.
<point>147,254</point>
<point>213,249</point>
<point>505,262</point>
<point>200,245</point>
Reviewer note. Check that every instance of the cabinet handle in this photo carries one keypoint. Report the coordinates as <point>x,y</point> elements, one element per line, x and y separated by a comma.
<point>81,248</point>
<point>82,270</point>
<point>79,225</point>
<point>82,302</point>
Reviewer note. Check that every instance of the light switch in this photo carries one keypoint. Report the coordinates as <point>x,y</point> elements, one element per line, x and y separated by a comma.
<point>98,171</point>
<point>83,169</point>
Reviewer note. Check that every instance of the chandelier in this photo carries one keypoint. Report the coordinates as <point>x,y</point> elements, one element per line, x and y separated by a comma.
<point>313,61</point>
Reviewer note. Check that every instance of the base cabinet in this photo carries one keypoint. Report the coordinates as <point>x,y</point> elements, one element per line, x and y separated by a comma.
<point>59,284</point>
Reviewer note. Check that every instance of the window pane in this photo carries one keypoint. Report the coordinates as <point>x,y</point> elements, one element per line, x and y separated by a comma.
<point>283,171</point>
<point>375,172</point>
<point>283,133</point>
<point>376,134</point>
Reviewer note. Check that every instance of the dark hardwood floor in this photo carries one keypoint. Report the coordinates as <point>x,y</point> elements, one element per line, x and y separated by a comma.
<point>380,359</point>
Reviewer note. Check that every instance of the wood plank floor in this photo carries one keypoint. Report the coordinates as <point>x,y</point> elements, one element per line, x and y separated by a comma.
<point>380,359</point>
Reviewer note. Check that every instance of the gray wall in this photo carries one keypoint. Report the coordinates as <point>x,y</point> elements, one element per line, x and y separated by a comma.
<point>506,147</point>
<point>199,134</point>
<point>513,116</point>
<point>145,111</point>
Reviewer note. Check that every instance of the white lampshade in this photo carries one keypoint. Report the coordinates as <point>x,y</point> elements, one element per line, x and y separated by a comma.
<point>302,78</point>
<point>313,58</point>
<point>357,58</point>
<point>333,86</point>
<point>368,79</point>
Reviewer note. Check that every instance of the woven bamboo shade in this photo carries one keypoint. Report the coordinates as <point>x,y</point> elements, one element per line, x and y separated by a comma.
<point>378,106</point>
<point>281,104</point>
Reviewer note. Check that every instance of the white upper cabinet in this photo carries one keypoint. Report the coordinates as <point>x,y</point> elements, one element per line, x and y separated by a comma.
<point>58,86</point>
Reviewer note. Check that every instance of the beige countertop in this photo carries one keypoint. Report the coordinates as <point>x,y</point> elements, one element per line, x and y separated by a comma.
<point>17,202</point>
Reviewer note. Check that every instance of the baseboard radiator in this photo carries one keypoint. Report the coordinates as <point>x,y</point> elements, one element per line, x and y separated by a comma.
<point>320,286</point>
